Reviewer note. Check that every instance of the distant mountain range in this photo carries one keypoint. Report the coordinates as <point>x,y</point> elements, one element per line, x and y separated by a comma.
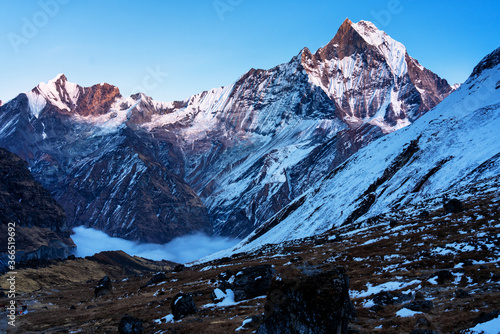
<point>227,160</point>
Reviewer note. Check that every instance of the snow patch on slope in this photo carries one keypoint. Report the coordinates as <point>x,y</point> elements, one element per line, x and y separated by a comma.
<point>36,103</point>
<point>200,113</point>
<point>114,119</point>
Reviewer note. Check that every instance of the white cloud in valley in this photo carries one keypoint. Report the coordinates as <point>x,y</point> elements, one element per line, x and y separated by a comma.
<point>182,249</point>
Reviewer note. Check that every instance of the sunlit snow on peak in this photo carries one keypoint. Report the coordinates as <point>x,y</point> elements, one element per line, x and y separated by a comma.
<point>53,93</point>
<point>393,50</point>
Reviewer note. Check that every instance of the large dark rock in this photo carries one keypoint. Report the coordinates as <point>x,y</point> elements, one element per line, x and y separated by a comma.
<point>183,305</point>
<point>453,206</point>
<point>157,278</point>
<point>252,282</point>
<point>443,276</point>
<point>178,268</point>
<point>485,317</point>
<point>461,293</point>
<point>391,298</point>
<point>308,301</point>
<point>130,325</point>
<point>420,306</point>
<point>383,298</point>
<point>104,287</point>
<point>423,331</point>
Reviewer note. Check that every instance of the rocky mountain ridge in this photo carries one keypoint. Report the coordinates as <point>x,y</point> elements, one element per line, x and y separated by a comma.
<point>440,156</point>
<point>246,150</point>
<point>38,223</point>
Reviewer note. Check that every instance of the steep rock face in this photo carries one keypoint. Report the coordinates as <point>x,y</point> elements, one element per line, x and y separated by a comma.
<point>442,154</point>
<point>125,191</point>
<point>372,79</point>
<point>40,223</point>
<point>256,133</point>
<point>247,149</point>
<point>308,301</point>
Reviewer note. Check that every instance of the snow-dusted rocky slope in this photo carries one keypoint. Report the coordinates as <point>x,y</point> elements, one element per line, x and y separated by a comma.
<point>247,150</point>
<point>252,147</point>
<point>451,148</point>
<point>105,176</point>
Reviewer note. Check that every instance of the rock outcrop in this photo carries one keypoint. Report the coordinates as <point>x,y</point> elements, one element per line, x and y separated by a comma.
<point>252,282</point>
<point>104,287</point>
<point>183,305</point>
<point>130,325</point>
<point>453,206</point>
<point>308,301</point>
<point>39,223</point>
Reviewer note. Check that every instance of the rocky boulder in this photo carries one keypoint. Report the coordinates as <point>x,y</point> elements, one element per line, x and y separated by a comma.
<point>308,301</point>
<point>178,268</point>
<point>453,206</point>
<point>443,276</point>
<point>130,325</point>
<point>390,298</point>
<point>252,282</point>
<point>157,278</point>
<point>420,306</point>
<point>485,317</point>
<point>183,305</point>
<point>104,287</point>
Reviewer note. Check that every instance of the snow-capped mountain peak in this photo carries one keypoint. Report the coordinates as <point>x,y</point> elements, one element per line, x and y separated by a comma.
<point>70,98</point>
<point>58,92</point>
<point>372,79</point>
<point>393,50</point>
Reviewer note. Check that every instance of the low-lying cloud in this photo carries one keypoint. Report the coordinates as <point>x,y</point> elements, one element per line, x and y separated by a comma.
<point>182,249</point>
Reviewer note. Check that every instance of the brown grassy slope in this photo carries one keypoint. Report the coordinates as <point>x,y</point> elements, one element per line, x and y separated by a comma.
<point>402,247</point>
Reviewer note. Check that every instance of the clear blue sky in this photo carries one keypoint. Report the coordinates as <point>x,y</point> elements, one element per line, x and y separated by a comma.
<point>198,45</point>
